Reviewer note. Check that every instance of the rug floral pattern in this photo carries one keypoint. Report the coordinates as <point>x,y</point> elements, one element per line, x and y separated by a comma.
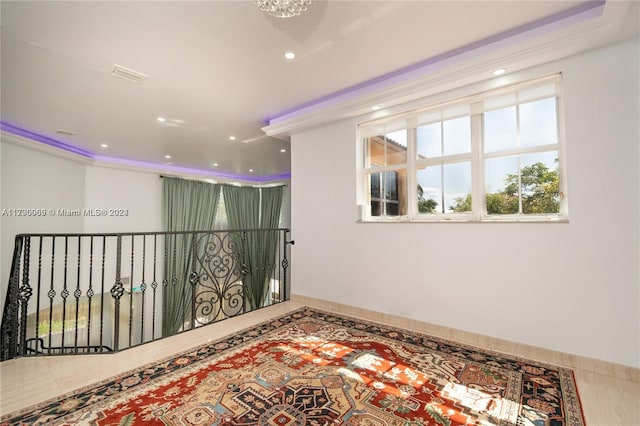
<point>315,368</point>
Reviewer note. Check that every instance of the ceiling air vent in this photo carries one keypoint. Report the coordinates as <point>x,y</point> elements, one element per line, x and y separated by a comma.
<point>128,74</point>
<point>65,132</point>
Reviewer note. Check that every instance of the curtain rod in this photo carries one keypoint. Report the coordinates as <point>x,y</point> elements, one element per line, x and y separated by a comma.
<point>224,183</point>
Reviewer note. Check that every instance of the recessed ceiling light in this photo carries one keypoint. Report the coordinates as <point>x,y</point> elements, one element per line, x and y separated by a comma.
<point>167,156</point>
<point>499,71</point>
<point>290,55</point>
<point>232,138</point>
<point>251,170</point>
<point>104,145</point>
<point>162,119</point>
<point>215,164</point>
<point>375,108</point>
<point>283,150</point>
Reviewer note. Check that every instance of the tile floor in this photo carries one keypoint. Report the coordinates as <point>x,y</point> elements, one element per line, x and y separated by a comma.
<point>610,393</point>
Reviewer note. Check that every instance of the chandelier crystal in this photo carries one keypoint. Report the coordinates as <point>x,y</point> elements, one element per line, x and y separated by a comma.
<point>283,8</point>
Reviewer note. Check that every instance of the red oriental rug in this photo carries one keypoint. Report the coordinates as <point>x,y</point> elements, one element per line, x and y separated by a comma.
<point>315,368</point>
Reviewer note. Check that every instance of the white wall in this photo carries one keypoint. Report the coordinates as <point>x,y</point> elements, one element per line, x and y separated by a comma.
<point>36,180</point>
<point>571,287</point>
<point>138,193</point>
<point>133,201</point>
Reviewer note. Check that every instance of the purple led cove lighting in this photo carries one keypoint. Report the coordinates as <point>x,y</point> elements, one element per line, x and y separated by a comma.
<point>272,178</point>
<point>18,131</point>
<point>580,13</point>
<point>10,128</point>
<point>187,170</point>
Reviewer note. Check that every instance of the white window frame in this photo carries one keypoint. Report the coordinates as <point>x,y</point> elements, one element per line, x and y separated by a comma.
<point>410,120</point>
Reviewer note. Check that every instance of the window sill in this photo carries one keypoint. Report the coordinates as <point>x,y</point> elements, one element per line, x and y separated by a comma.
<point>474,219</point>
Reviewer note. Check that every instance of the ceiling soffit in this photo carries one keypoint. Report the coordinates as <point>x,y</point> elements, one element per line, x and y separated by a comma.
<point>578,30</point>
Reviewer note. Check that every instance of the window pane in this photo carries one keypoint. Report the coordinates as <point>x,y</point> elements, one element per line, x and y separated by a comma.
<point>538,123</point>
<point>430,181</point>
<point>500,130</point>
<point>396,147</point>
<point>396,192</point>
<point>391,186</point>
<point>549,159</point>
<point>457,135</point>
<point>445,189</point>
<point>387,150</point>
<point>393,208</point>
<point>534,184</point>
<point>501,179</point>
<point>539,183</point>
<point>457,185</point>
<point>375,152</point>
<point>425,205</point>
<point>375,185</point>
<point>387,193</point>
<point>429,141</point>
<point>375,188</point>
<point>376,208</point>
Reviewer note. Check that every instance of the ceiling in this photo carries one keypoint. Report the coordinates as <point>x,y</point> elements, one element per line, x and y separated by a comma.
<point>216,70</point>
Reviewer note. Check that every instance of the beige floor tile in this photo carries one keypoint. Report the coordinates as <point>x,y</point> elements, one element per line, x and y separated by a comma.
<point>610,393</point>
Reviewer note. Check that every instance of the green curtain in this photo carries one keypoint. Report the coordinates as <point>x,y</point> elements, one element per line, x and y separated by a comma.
<point>255,209</point>
<point>270,207</point>
<point>242,204</point>
<point>186,206</point>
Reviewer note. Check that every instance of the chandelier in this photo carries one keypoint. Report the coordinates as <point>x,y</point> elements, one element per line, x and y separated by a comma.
<point>283,8</point>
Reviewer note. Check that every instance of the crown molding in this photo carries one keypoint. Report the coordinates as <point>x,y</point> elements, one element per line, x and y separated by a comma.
<point>183,172</point>
<point>528,49</point>
<point>33,145</point>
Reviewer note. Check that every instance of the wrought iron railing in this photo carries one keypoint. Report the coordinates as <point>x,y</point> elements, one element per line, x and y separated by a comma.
<point>97,293</point>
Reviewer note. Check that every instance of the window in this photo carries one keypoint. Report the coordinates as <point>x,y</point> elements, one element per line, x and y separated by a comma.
<point>490,156</point>
<point>220,221</point>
